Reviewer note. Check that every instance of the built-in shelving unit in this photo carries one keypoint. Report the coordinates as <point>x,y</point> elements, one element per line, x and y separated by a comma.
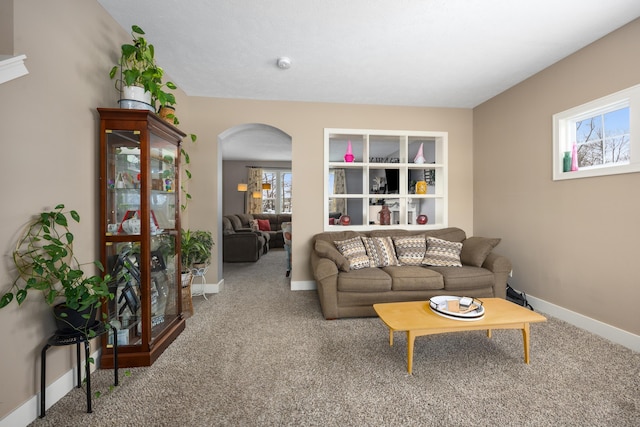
<point>384,171</point>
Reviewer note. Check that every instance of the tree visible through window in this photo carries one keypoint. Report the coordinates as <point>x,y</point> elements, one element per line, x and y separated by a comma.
<point>276,198</point>
<point>603,139</point>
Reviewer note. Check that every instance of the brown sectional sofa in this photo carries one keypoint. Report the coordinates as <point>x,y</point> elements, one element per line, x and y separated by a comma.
<point>275,237</point>
<point>351,293</point>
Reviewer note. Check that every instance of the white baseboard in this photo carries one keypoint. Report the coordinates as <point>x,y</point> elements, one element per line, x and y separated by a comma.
<point>594,326</point>
<point>303,285</point>
<point>29,411</point>
<point>209,288</point>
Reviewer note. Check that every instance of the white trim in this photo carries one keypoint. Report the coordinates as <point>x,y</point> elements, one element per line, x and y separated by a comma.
<point>594,326</point>
<point>562,133</point>
<point>29,411</point>
<point>303,285</point>
<point>209,288</point>
<point>12,67</point>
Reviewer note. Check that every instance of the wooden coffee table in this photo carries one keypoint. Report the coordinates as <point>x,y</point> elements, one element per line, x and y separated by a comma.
<point>417,319</point>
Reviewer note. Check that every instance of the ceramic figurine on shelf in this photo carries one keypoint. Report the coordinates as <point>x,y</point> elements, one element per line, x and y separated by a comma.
<point>349,157</point>
<point>384,215</point>
<point>420,156</point>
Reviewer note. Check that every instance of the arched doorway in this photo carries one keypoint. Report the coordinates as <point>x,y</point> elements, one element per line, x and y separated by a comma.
<point>239,147</point>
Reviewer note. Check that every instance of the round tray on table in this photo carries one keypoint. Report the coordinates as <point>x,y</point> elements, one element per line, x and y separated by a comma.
<point>439,306</point>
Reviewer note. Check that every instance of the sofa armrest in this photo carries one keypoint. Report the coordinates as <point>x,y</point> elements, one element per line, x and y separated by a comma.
<point>500,266</point>
<point>326,272</point>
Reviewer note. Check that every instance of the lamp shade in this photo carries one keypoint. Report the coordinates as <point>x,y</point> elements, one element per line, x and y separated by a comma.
<point>242,187</point>
<point>266,186</point>
<point>257,194</point>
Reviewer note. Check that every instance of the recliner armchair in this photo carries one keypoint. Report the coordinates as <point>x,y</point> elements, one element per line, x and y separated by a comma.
<point>240,246</point>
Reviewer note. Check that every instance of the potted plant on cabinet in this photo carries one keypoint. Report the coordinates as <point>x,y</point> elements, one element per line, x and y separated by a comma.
<point>141,81</point>
<point>140,76</point>
<point>46,263</point>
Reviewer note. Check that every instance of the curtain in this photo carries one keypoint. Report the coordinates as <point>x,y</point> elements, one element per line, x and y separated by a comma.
<point>340,187</point>
<point>254,184</point>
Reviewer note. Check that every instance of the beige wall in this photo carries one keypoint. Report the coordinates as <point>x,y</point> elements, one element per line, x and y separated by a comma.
<point>572,243</point>
<point>49,141</point>
<point>305,123</point>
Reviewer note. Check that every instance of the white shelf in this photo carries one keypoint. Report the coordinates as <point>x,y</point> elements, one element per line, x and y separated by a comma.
<point>386,159</point>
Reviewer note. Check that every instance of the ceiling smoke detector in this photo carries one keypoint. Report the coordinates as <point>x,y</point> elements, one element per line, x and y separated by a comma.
<point>284,63</point>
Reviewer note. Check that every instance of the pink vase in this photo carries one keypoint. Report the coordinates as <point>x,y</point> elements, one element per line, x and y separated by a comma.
<point>348,157</point>
<point>574,157</point>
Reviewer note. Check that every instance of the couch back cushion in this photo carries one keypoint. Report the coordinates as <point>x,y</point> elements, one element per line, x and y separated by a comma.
<point>235,221</point>
<point>245,220</point>
<point>227,228</point>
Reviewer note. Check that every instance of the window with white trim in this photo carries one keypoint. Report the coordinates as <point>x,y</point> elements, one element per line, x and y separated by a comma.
<point>276,191</point>
<point>596,138</point>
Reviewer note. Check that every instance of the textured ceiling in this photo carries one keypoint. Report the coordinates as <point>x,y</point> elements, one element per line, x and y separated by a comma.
<point>439,53</point>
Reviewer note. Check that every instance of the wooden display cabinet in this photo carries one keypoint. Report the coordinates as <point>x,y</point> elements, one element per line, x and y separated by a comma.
<point>140,233</point>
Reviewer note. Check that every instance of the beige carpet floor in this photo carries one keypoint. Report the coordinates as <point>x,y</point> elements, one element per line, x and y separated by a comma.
<point>258,354</point>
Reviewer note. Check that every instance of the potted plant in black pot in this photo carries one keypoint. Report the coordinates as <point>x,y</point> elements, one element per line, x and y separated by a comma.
<point>46,264</point>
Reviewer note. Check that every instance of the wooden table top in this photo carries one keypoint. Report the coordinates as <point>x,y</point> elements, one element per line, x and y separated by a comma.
<point>413,315</point>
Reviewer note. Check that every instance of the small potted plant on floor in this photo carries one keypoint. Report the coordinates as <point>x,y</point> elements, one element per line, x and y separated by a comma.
<point>46,264</point>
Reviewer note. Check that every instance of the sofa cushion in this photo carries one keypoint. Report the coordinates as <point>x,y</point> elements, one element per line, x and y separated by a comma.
<point>465,277</point>
<point>263,225</point>
<point>442,253</point>
<point>414,278</point>
<point>410,249</point>
<point>353,250</point>
<point>476,249</point>
<point>380,251</point>
<point>329,251</point>
<point>364,280</point>
<point>235,221</point>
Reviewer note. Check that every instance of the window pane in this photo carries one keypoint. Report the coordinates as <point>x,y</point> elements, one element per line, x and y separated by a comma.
<point>603,138</point>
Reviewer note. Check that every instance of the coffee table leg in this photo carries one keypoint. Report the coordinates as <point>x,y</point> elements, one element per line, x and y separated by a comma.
<point>488,333</point>
<point>525,340</point>
<point>410,339</point>
<point>390,337</point>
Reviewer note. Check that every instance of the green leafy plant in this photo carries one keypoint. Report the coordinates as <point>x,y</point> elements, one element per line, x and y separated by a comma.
<point>196,247</point>
<point>138,67</point>
<point>46,264</point>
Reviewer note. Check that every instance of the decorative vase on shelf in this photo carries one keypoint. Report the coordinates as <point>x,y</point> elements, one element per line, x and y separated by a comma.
<point>566,161</point>
<point>345,220</point>
<point>574,157</point>
<point>420,156</point>
<point>348,157</point>
<point>384,216</point>
<point>422,219</point>
<point>421,187</point>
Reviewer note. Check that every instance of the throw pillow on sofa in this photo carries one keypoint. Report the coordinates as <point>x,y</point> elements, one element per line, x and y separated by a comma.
<point>380,251</point>
<point>353,250</point>
<point>442,253</point>
<point>476,249</point>
<point>263,225</point>
<point>410,249</point>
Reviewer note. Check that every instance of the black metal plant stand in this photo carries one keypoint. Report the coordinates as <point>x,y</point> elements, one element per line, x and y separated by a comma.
<point>61,338</point>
